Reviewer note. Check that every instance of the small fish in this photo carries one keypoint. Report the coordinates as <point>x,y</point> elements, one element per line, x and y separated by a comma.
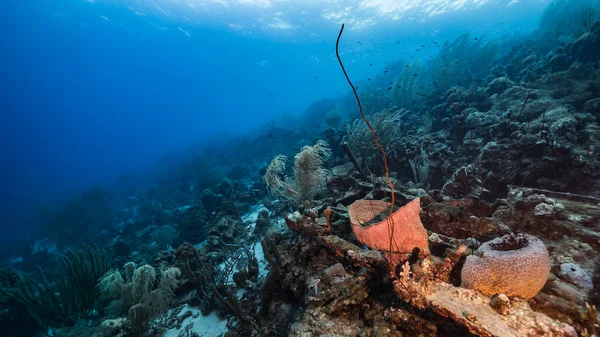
<point>360,43</point>
<point>414,75</point>
<point>390,88</point>
<point>370,64</point>
<point>368,79</point>
<point>385,71</point>
<point>476,39</point>
<point>422,46</point>
<point>316,77</point>
<point>417,49</point>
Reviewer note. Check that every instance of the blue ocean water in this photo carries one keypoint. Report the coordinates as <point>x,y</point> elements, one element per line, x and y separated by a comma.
<point>92,89</point>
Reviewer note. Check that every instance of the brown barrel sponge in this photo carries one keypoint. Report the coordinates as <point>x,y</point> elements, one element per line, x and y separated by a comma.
<point>514,265</point>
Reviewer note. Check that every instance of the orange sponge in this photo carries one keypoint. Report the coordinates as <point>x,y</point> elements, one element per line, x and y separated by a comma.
<point>407,230</point>
<point>514,265</point>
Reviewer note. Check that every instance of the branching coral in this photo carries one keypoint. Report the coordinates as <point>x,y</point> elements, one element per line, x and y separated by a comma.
<point>273,177</point>
<point>139,293</point>
<point>309,174</point>
<point>566,20</point>
<point>411,86</point>
<point>68,299</point>
<point>386,124</point>
<point>214,284</point>
<point>308,171</point>
<point>583,20</point>
<point>463,61</point>
<point>420,168</point>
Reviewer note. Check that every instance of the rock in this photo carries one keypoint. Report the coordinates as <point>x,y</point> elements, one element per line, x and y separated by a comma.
<point>498,86</point>
<point>544,206</point>
<point>336,273</point>
<point>262,221</point>
<point>343,170</point>
<point>565,127</point>
<point>593,106</point>
<point>559,62</point>
<point>314,323</point>
<point>111,326</point>
<point>435,239</point>
<point>472,310</point>
<point>463,184</point>
<point>565,291</point>
<point>210,200</point>
<point>544,209</point>
<point>312,213</point>
<point>477,119</point>
<point>500,303</point>
<point>573,274</point>
<point>303,224</point>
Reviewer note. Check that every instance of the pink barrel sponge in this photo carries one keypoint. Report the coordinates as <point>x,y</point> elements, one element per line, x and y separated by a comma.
<point>514,265</point>
<point>408,231</point>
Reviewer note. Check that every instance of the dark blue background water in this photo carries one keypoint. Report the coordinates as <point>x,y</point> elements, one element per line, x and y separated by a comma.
<point>93,89</point>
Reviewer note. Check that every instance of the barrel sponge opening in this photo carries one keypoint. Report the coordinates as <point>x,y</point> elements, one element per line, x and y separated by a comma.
<point>514,265</point>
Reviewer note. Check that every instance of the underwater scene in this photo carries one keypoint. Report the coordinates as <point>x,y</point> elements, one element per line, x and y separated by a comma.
<point>335,168</point>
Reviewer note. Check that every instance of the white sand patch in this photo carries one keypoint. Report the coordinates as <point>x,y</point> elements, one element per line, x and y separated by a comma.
<point>249,219</point>
<point>281,225</point>
<point>262,262</point>
<point>240,293</point>
<point>200,245</point>
<point>206,326</point>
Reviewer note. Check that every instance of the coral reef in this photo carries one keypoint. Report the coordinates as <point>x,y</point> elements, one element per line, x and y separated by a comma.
<point>480,217</point>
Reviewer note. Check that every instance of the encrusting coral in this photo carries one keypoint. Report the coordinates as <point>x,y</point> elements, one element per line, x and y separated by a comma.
<point>514,265</point>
